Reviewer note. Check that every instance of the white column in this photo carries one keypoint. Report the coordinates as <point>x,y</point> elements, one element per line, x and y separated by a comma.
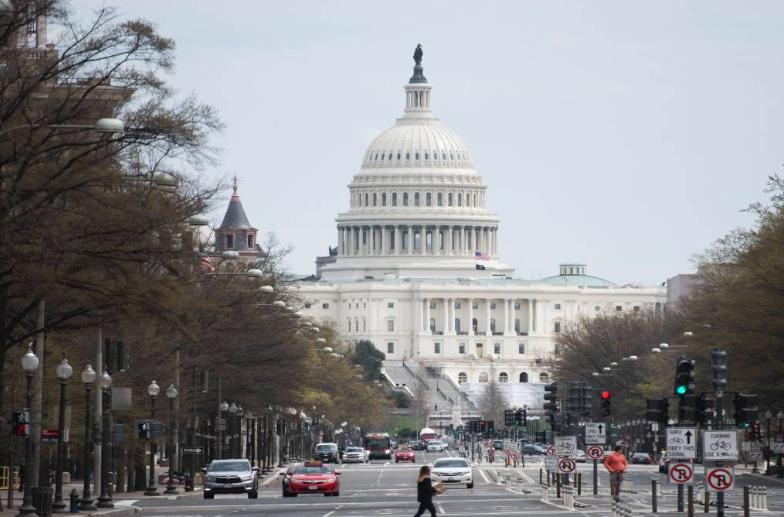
<point>488,331</point>
<point>427,315</point>
<point>446,316</point>
<point>506,315</point>
<point>398,240</point>
<point>383,239</point>
<point>470,316</point>
<point>450,245</point>
<point>350,232</point>
<point>531,310</point>
<point>436,240</point>
<point>451,316</point>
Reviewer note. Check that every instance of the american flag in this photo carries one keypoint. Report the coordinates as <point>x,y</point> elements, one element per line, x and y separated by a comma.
<point>481,255</point>
<point>206,264</point>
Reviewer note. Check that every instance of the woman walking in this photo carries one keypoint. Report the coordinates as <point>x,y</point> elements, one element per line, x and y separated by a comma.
<point>425,492</point>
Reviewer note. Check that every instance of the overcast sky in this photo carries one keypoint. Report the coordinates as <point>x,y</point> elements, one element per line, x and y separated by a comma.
<point>625,135</point>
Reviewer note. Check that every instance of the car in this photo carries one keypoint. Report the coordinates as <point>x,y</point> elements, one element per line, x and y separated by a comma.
<point>579,455</point>
<point>312,477</point>
<point>642,458</point>
<point>452,470</point>
<point>498,445</point>
<point>416,445</point>
<point>533,450</point>
<point>435,446</point>
<point>231,477</point>
<point>178,478</point>
<point>327,452</point>
<point>405,454</point>
<point>355,454</point>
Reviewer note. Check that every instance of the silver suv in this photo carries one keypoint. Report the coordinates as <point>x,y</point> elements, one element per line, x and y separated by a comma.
<point>231,477</point>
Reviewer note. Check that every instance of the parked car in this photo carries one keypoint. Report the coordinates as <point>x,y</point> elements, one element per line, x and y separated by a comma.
<point>533,450</point>
<point>579,455</point>
<point>327,452</point>
<point>453,470</point>
<point>178,478</point>
<point>416,445</point>
<point>642,458</point>
<point>231,477</point>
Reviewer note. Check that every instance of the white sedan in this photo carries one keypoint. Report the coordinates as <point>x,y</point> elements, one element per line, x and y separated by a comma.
<point>435,446</point>
<point>452,470</point>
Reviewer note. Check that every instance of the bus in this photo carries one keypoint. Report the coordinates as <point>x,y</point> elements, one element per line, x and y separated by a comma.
<point>378,446</point>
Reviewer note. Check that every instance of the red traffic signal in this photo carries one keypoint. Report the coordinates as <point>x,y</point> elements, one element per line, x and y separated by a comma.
<point>606,395</point>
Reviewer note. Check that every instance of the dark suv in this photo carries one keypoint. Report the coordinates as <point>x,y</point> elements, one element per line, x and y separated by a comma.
<point>327,452</point>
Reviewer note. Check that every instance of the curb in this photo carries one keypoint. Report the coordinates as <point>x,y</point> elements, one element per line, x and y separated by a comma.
<point>774,479</point>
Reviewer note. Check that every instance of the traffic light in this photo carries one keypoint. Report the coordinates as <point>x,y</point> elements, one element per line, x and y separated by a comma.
<point>746,408</point>
<point>143,430</point>
<point>509,418</point>
<point>756,434</point>
<point>657,410</point>
<point>520,417</point>
<point>719,369</point>
<point>705,410</point>
<point>684,376</point>
<point>586,400</point>
<point>606,397</point>
<point>551,402</point>
<point>688,408</point>
<point>490,426</point>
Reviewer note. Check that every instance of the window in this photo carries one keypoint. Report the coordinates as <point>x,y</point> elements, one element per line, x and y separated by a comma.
<point>416,198</point>
<point>366,199</point>
<point>618,308</point>
<point>433,325</point>
<point>475,305</point>
<point>229,241</point>
<point>457,325</point>
<point>348,324</point>
<point>408,156</point>
<point>457,305</point>
<point>557,306</point>
<point>520,348</point>
<point>543,377</point>
<point>428,199</point>
<point>517,325</point>
<point>404,239</point>
<point>449,199</point>
<point>429,241</point>
<point>364,325</point>
<point>394,198</point>
<point>636,308</point>
<point>398,156</point>
<point>557,327</point>
<point>325,306</point>
<point>492,325</point>
<point>426,156</point>
<point>597,308</point>
<point>417,240</point>
<point>390,348</point>
<point>462,378</point>
<point>437,348</point>
<point>390,325</point>
<point>483,377</point>
<point>474,325</point>
<point>517,305</point>
<point>384,199</point>
<point>405,198</point>
<point>523,377</point>
<point>432,305</point>
<point>374,199</point>
<point>440,199</point>
<point>497,348</point>
<point>390,305</point>
<point>307,305</point>
<point>250,241</point>
<point>461,347</point>
<point>416,156</point>
<point>492,305</point>
<point>364,305</point>
<point>503,377</point>
<point>459,199</point>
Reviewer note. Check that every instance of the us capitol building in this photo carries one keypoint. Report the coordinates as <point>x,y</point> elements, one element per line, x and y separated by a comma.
<point>416,271</point>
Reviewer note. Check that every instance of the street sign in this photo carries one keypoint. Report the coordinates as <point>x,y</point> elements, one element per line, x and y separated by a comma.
<point>654,426</point>
<point>680,472</point>
<point>777,447</point>
<point>551,450</point>
<point>595,433</point>
<point>549,463</point>
<point>565,446</point>
<point>719,479</point>
<point>49,435</point>
<point>682,442</point>
<point>192,450</point>
<point>595,452</point>
<point>719,446</point>
<point>566,465</point>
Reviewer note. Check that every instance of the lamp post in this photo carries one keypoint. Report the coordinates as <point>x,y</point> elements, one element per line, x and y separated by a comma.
<point>222,408</point>
<point>779,462</point>
<point>64,372</point>
<point>171,394</point>
<point>29,365</point>
<point>230,427</point>
<point>152,390</point>
<point>88,378</point>
<point>768,417</point>
<point>238,433</point>
<point>105,499</point>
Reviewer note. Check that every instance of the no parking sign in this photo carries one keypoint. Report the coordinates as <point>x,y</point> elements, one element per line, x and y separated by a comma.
<point>595,452</point>
<point>680,473</point>
<point>719,479</point>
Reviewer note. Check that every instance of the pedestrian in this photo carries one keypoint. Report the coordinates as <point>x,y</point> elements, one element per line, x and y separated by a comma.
<point>616,465</point>
<point>426,491</point>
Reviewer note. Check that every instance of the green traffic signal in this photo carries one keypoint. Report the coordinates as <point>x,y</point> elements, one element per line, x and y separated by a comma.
<point>680,390</point>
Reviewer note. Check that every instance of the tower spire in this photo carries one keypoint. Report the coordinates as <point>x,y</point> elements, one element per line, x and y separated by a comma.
<point>418,76</point>
<point>417,91</point>
<point>234,184</point>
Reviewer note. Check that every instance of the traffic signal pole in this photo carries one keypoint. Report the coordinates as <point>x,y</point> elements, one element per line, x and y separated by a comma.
<point>719,367</point>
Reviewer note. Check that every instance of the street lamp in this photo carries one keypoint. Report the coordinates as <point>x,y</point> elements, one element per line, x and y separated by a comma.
<point>779,462</point>
<point>64,372</point>
<point>232,424</point>
<point>152,390</point>
<point>222,408</point>
<point>88,378</point>
<point>105,499</point>
<point>29,365</point>
<point>171,394</point>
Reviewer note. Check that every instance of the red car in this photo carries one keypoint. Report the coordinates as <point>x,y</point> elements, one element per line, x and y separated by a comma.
<point>311,478</point>
<point>405,455</point>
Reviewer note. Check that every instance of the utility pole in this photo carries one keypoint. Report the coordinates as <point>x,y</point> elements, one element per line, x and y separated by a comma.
<point>98,415</point>
<point>719,381</point>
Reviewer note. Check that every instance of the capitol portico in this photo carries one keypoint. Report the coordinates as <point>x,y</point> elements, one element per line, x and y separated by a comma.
<point>417,269</point>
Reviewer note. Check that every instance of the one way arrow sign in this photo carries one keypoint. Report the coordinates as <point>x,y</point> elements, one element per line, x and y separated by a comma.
<point>688,437</point>
<point>595,433</point>
<point>680,444</point>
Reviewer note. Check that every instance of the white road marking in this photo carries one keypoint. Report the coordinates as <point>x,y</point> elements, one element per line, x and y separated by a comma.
<point>441,509</point>
<point>482,473</point>
<point>125,503</point>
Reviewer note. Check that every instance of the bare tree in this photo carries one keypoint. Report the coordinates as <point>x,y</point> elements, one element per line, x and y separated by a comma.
<point>492,402</point>
<point>422,404</point>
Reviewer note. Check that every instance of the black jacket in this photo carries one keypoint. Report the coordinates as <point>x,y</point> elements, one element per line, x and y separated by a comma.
<point>425,491</point>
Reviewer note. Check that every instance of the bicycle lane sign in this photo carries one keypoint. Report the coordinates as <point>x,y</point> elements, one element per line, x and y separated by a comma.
<point>720,446</point>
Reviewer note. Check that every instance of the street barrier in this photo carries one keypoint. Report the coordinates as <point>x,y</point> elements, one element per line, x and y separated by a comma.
<point>758,498</point>
<point>568,497</point>
<point>546,493</point>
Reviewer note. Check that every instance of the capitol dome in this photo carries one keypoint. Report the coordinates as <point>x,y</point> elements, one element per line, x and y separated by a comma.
<point>417,206</point>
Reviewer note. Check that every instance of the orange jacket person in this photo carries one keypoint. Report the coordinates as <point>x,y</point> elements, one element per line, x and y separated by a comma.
<point>616,465</point>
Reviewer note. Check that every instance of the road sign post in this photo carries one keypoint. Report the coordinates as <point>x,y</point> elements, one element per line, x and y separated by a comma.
<point>595,452</point>
<point>595,433</point>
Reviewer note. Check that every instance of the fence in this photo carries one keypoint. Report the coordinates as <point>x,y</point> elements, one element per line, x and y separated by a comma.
<point>4,477</point>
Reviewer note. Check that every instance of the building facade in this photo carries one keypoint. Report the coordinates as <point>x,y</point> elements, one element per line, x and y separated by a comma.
<point>418,272</point>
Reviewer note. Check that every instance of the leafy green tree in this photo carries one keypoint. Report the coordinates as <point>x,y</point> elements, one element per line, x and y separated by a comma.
<point>369,357</point>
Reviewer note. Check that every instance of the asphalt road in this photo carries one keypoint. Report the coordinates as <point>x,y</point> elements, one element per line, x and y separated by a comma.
<point>383,488</point>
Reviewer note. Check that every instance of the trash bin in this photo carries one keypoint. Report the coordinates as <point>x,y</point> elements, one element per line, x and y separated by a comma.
<point>43,497</point>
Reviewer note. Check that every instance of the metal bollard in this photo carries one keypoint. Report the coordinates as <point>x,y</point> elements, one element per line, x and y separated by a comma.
<point>746,502</point>
<point>654,501</point>
<point>763,498</point>
<point>690,501</point>
<point>579,483</point>
<point>705,501</point>
<point>614,507</point>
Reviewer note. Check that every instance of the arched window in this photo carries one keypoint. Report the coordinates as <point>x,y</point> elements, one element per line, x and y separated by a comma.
<point>405,198</point>
<point>398,156</point>
<point>435,155</point>
<point>394,198</point>
<point>428,199</point>
<point>523,377</point>
<point>543,377</point>
<point>348,324</point>
<point>440,199</point>
<point>374,199</point>
<point>474,200</point>
<point>384,199</point>
<point>483,377</point>
<point>475,325</point>
<point>416,156</point>
<point>429,241</point>
<point>426,156</point>
<point>383,155</point>
<point>462,378</point>
<point>433,325</point>
<point>417,240</point>
<point>416,199</point>
<point>457,325</point>
<point>503,377</point>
